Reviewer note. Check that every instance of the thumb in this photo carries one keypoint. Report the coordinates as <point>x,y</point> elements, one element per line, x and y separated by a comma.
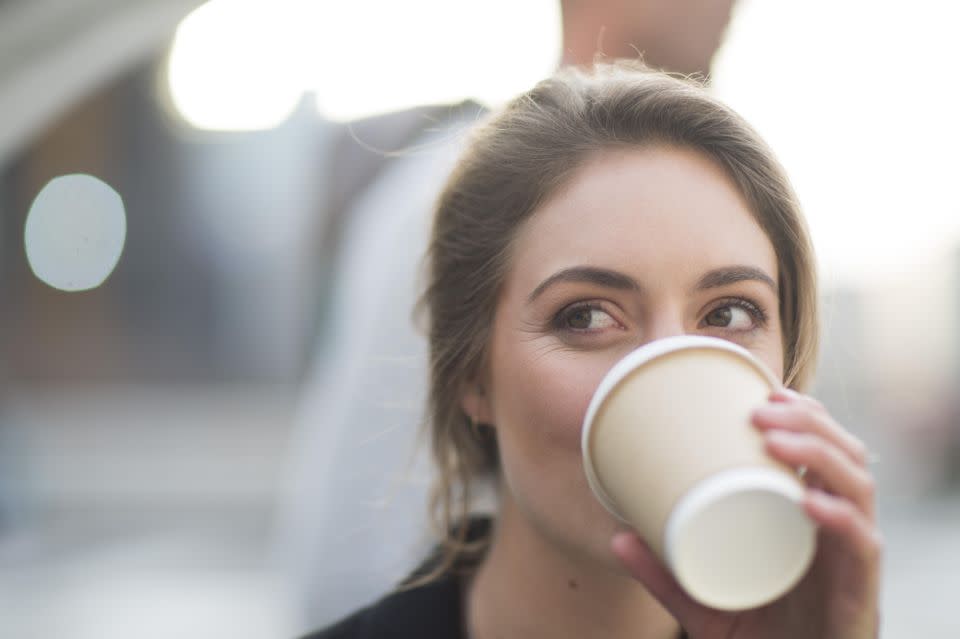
<point>645,567</point>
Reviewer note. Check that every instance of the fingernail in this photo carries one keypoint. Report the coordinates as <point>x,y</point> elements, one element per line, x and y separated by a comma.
<point>785,392</point>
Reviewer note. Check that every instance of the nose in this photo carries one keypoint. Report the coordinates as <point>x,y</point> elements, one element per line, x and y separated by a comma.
<point>663,324</point>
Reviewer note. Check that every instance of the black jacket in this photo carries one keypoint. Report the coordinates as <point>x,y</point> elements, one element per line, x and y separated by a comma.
<point>427,612</point>
<point>433,611</point>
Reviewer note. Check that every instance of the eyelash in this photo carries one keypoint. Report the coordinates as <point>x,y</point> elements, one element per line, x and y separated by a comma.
<point>755,310</point>
<point>559,320</point>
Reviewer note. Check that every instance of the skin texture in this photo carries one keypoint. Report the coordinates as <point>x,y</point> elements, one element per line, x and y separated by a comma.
<point>653,223</point>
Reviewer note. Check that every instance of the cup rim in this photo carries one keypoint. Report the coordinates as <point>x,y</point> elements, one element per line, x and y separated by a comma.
<point>631,362</point>
<point>732,483</point>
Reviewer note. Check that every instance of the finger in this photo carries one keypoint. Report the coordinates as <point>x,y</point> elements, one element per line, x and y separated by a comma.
<point>857,554</point>
<point>802,416</point>
<point>824,421</point>
<point>841,518</point>
<point>825,462</point>
<point>644,566</point>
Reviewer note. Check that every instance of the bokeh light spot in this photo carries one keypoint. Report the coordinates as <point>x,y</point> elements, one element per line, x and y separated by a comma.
<point>75,232</point>
<point>237,65</point>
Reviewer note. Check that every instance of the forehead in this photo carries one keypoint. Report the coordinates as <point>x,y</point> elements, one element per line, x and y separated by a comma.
<point>644,211</point>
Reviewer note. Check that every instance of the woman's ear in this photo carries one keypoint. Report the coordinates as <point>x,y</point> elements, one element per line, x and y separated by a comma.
<point>475,403</point>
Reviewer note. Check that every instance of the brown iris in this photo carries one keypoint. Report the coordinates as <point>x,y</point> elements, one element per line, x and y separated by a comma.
<point>720,317</point>
<point>580,318</point>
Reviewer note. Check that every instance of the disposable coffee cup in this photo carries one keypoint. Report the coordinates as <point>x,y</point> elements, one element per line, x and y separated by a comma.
<point>668,448</point>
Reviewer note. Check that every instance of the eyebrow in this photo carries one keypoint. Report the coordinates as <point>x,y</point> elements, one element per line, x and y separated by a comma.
<point>733,274</point>
<point>716,278</point>
<point>588,275</point>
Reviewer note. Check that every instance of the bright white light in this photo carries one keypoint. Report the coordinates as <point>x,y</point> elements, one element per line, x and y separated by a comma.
<point>244,64</point>
<point>855,98</point>
<point>75,232</point>
<point>382,55</point>
<point>233,65</point>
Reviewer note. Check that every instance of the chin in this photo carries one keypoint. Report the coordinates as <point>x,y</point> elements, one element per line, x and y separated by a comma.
<point>596,531</point>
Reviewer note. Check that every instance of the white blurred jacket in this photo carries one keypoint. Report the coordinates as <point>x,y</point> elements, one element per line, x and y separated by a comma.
<point>353,518</point>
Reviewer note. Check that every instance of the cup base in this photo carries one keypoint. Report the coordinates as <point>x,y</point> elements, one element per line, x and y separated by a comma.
<point>740,539</point>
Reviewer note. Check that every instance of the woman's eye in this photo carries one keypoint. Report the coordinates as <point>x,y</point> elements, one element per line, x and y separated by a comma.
<point>587,318</point>
<point>730,317</point>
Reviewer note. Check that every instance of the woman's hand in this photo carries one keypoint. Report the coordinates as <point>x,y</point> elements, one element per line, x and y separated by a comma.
<point>837,599</point>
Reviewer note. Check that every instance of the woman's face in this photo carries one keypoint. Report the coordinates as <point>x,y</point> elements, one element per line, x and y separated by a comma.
<point>642,244</point>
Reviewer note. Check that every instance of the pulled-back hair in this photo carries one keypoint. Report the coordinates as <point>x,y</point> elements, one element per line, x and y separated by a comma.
<point>518,159</point>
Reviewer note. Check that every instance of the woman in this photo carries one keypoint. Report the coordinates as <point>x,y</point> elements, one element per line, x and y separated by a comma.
<point>598,212</point>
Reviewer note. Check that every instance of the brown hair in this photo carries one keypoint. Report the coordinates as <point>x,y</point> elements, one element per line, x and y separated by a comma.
<point>518,159</point>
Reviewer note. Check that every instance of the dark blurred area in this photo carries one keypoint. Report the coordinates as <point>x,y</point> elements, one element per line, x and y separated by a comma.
<point>207,289</point>
<point>144,424</point>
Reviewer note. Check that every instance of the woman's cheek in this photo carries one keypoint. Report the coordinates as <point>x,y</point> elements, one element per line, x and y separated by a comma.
<point>549,397</point>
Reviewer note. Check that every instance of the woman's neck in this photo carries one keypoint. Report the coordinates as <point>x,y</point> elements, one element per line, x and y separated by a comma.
<point>528,587</point>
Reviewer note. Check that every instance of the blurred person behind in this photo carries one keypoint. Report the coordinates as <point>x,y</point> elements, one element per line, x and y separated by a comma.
<point>351,517</point>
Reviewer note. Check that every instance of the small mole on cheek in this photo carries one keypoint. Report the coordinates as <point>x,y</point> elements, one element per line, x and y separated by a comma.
<point>573,585</point>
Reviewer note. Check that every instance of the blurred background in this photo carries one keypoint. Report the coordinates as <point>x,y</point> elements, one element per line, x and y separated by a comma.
<point>145,424</point>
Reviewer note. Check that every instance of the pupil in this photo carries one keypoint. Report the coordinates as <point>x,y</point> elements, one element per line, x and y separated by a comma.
<point>581,318</point>
<point>721,317</point>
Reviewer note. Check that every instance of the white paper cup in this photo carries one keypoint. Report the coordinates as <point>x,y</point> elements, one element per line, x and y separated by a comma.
<point>669,449</point>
